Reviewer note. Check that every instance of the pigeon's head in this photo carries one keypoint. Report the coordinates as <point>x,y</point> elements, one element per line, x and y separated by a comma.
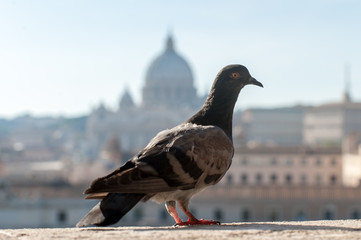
<point>236,76</point>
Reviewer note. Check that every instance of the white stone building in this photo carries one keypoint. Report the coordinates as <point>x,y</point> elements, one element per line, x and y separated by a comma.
<point>168,98</point>
<point>280,126</point>
<point>328,124</point>
<point>285,166</point>
<point>331,123</point>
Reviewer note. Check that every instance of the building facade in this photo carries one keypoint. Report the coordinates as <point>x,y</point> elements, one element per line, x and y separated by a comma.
<point>331,123</point>
<point>285,166</point>
<point>168,98</point>
<point>169,81</point>
<point>280,126</point>
<point>328,124</point>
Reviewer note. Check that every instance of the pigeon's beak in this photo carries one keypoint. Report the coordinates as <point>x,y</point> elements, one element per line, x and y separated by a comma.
<point>253,81</point>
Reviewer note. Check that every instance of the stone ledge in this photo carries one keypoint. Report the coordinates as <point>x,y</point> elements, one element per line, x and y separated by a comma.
<point>337,229</point>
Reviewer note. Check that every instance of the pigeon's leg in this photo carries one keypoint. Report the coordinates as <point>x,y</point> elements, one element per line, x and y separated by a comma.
<point>172,210</point>
<point>192,220</point>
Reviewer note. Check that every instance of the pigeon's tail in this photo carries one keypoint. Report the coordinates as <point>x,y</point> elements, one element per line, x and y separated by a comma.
<point>111,209</point>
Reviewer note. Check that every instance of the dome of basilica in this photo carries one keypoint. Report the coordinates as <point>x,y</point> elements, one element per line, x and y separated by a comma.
<point>169,80</point>
<point>169,68</point>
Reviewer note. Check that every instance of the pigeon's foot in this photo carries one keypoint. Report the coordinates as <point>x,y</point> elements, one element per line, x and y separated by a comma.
<point>197,222</point>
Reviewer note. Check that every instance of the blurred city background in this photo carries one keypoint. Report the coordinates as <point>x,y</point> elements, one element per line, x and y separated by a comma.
<point>84,85</point>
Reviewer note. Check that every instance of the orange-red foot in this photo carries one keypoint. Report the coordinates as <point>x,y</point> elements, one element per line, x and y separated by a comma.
<point>197,222</point>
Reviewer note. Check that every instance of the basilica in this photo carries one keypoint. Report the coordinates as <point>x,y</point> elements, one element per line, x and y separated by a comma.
<point>168,98</point>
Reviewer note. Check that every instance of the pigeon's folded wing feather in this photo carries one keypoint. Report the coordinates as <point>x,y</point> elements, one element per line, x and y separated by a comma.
<point>174,159</point>
<point>150,174</point>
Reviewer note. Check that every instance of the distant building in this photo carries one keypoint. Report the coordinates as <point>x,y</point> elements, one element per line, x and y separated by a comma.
<point>280,126</point>
<point>278,203</point>
<point>225,204</point>
<point>328,124</point>
<point>351,171</point>
<point>168,98</point>
<point>34,206</point>
<point>331,123</point>
<point>169,81</point>
<point>285,166</point>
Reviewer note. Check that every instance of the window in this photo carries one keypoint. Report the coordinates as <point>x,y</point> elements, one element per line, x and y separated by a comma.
<point>289,162</point>
<point>288,179</point>
<point>138,214</point>
<point>318,161</point>
<point>355,214</point>
<point>258,178</point>
<point>244,179</point>
<point>218,214</point>
<point>273,162</point>
<point>244,161</point>
<point>245,215</point>
<point>273,178</point>
<point>274,215</point>
<point>333,180</point>
<point>62,216</point>
<point>301,216</point>
<point>328,214</point>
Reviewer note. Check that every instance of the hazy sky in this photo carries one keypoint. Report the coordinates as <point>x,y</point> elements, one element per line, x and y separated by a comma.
<point>65,57</point>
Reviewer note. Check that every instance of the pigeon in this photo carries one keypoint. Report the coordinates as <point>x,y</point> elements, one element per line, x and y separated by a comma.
<point>177,163</point>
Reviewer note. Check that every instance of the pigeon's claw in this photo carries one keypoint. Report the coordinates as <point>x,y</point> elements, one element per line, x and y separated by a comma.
<point>197,222</point>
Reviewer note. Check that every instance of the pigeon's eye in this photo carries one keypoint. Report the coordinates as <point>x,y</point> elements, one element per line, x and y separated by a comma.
<point>235,75</point>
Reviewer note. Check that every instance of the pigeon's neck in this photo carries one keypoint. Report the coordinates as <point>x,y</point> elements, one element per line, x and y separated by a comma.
<point>217,111</point>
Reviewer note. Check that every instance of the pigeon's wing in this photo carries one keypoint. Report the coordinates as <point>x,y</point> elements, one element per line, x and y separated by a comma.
<point>180,158</point>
